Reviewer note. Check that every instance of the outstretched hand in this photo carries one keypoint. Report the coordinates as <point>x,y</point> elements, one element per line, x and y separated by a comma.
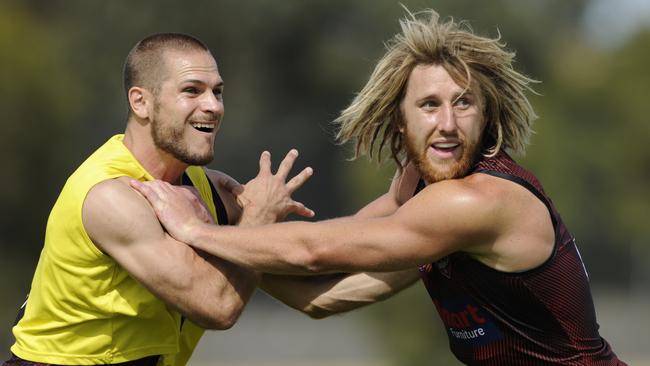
<point>267,197</point>
<point>178,209</point>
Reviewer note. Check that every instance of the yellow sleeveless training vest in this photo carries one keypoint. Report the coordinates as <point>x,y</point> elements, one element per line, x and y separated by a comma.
<point>85,309</point>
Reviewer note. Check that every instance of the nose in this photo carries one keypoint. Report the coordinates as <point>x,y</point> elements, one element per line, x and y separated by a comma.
<point>212,104</point>
<point>447,119</point>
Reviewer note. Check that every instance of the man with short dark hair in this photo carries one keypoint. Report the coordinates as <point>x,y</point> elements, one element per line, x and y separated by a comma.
<point>502,270</point>
<point>111,286</point>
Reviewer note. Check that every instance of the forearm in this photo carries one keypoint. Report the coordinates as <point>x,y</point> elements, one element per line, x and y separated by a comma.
<point>366,241</point>
<point>300,292</point>
<point>360,289</point>
<point>233,286</point>
<point>207,290</point>
<point>322,296</point>
<point>278,248</point>
<point>348,244</point>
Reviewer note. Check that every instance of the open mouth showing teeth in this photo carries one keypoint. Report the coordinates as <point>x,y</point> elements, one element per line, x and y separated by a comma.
<point>445,146</point>
<point>203,127</point>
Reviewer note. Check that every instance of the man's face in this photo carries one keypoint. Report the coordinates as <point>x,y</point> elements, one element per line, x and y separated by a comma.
<point>188,107</point>
<point>443,124</point>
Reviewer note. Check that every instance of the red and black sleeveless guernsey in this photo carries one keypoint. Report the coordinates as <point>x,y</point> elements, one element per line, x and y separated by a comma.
<point>542,316</point>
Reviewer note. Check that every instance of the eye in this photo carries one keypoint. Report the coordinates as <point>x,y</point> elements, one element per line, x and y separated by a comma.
<point>218,92</point>
<point>191,90</point>
<point>428,105</point>
<point>463,103</point>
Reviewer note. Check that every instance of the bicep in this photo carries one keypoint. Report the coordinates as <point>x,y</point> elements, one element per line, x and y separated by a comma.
<point>209,291</point>
<point>375,244</point>
<point>435,223</point>
<point>122,224</point>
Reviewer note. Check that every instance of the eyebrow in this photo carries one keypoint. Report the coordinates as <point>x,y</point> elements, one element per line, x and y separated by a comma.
<point>197,81</point>
<point>465,93</point>
<point>455,96</point>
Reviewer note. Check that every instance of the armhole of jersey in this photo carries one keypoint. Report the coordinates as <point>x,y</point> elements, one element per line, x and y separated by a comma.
<point>21,311</point>
<point>186,181</point>
<point>222,215</point>
<point>556,229</point>
<point>530,188</point>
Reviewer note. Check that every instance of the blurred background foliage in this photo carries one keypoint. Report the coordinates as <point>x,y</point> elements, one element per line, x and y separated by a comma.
<point>289,67</point>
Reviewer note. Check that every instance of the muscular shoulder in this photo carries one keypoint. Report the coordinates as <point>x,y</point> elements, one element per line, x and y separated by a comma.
<point>473,194</point>
<point>525,230</point>
<point>115,195</point>
<point>511,201</point>
<point>467,214</point>
<point>496,221</point>
<point>114,213</point>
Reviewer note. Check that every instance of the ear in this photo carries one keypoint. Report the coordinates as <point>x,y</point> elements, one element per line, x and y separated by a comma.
<point>139,101</point>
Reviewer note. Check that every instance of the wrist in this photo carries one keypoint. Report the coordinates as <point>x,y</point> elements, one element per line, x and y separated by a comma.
<point>252,216</point>
<point>194,233</point>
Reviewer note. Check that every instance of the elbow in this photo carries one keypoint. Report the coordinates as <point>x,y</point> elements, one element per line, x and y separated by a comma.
<point>213,324</point>
<point>219,321</point>
<point>223,315</point>
<point>224,321</point>
<point>316,312</point>
<point>311,260</point>
<point>221,324</point>
<point>308,253</point>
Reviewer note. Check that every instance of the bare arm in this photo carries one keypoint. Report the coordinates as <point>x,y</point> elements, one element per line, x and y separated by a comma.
<point>208,290</point>
<point>413,235</point>
<point>324,295</point>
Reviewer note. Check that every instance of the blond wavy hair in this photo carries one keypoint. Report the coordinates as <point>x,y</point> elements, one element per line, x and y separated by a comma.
<point>373,119</point>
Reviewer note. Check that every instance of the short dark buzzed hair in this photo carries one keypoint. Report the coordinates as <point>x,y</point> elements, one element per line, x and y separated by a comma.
<point>144,63</point>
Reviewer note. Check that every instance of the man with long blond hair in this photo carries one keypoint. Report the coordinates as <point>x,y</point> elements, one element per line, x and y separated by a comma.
<point>502,270</point>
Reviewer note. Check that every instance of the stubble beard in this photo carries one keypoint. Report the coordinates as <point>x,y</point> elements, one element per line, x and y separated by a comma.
<point>169,138</point>
<point>453,169</point>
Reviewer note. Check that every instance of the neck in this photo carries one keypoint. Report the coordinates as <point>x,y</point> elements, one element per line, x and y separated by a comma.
<point>160,164</point>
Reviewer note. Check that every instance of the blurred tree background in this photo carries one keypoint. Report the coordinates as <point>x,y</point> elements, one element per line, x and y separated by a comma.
<point>289,67</point>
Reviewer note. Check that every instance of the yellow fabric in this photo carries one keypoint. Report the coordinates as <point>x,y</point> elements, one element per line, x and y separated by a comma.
<point>190,336</point>
<point>190,332</point>
<point>84,308</point>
